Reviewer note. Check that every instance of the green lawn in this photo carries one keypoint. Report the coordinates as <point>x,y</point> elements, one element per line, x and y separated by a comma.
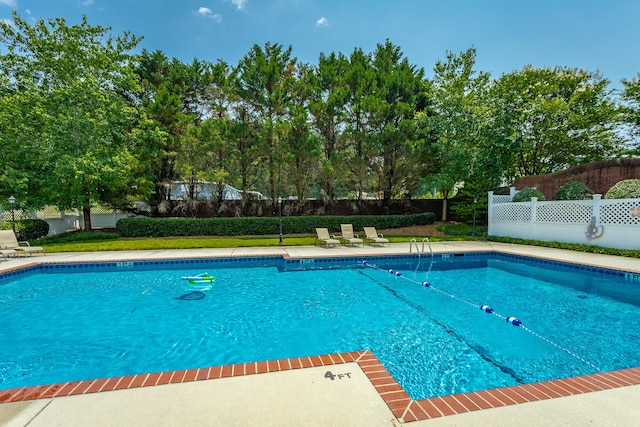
<point>100,241</point>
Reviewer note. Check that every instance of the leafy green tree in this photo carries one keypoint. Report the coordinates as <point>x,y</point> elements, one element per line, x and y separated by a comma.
<point>631,110</point>
<point>70,129</point>
<point>554,118</point>
<point>454,125</point>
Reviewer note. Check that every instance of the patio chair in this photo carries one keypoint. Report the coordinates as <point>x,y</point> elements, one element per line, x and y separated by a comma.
<point>6,252</point>
<point>9,241</point>
<point>324,237</point>
<point>348,237</point>
<point>373,237</point>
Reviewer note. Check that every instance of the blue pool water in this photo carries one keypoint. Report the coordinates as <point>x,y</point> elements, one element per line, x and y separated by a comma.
<point>72,322</point>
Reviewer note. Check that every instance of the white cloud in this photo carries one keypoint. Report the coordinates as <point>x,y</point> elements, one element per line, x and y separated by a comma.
<point>322,22</point>
<point>240,4</point>
<point>10,3</point>
<point>207,13</point>
<point>87,2</point>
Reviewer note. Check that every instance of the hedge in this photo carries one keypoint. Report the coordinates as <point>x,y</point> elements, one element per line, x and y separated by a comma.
<point>526,194</point>
<point>27,229</point>
<point>164,227</point>
<point>625,189</point>
<point>574,190</point>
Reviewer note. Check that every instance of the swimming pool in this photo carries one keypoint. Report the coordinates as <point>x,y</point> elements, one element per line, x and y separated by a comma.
<point>80,321</point>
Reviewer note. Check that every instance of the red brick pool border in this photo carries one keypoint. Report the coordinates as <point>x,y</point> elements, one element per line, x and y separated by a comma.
<point>403,407</point>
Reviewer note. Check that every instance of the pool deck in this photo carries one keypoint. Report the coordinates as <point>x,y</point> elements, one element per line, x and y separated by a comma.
<point>298,392</point>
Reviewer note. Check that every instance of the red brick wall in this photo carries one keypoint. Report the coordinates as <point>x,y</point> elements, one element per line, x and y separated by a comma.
<point>598,176</point>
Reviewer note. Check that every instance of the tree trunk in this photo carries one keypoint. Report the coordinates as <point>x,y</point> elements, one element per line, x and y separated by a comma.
<point>86,214</point>
<point>445,195</point>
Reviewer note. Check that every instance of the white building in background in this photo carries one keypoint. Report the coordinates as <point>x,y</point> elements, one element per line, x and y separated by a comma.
<point>203,190</point>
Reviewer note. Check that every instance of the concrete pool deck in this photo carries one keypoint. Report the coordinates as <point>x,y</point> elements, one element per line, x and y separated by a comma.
<point>296,392</point>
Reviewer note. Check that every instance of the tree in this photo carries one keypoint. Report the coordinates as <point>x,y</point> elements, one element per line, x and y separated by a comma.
<point>396,98</point>
<point>242,135</point>
<point>554,118</point>
<point>358,152</point>
<point>327,109</point>
<point>454,126</point>
<point>71,127</point>
<point>180,97</point>
<point>631,110</point>
<point>263,79</point>
<point>301,146</point>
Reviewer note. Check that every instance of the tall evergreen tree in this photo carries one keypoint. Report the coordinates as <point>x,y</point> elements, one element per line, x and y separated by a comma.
<point>264,81</point>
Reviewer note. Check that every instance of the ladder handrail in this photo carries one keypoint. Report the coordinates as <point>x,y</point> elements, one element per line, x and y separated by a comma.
<point>429,244</point>
<point>413,242</point>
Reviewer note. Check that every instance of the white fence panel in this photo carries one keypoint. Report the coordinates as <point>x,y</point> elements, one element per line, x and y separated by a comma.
<point>105,220</point>
<point>63,224</point>
<point>608,223</point>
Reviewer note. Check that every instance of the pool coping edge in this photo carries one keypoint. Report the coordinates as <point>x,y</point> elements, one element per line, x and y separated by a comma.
<point>403,407</point>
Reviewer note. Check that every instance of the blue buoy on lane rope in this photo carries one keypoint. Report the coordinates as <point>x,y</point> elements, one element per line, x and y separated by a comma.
<point>514,321</point>
<point>486,308</point>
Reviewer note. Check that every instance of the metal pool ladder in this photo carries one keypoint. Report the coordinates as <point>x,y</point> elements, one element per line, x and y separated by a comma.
<point>413,243</point>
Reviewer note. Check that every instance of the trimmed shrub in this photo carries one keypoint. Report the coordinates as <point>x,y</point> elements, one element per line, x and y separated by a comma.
<point>462,209</point>
<point>573,190</point>
<point>626,189</point>
<point>526,194</point>
<point>255,226</point>
<point>28,229</point>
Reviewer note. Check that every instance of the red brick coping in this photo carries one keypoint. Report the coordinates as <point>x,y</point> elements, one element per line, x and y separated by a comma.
<point>403,407</point>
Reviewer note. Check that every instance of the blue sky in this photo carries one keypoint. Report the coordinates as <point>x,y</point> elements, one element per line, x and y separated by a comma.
<point>508,34</point>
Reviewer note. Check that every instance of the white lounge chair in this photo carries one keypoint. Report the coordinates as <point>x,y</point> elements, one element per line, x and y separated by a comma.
<point>373,237</point>
<point>324,237</point>
<point>6,252</point>
<point>348,237</point>
<point>9,241</point>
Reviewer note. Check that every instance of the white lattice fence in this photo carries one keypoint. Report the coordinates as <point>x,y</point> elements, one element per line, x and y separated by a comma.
<point>620,212</point>
<point>512,212</point>
<point>564,212</point>
<point>502,199</point>
<point>61,222</point>
<point>608,223</point>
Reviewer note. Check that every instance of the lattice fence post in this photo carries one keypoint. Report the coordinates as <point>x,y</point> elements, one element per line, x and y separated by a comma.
<point>534,217</point>
<point>597,202</point>
<point>490,214</point>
